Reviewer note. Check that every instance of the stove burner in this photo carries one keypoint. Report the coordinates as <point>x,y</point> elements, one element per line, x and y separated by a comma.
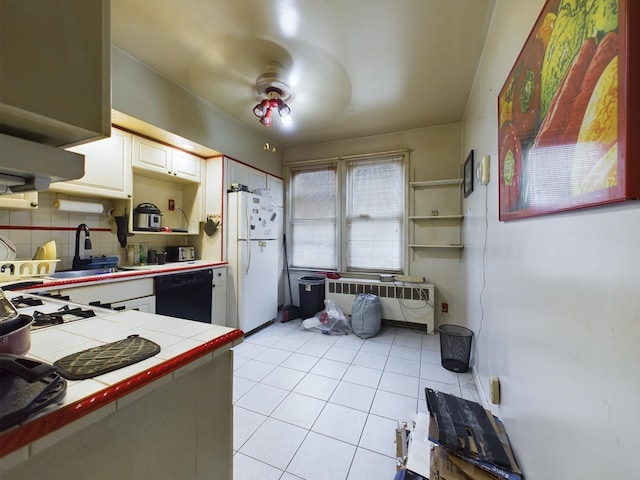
<point>63,315</point>
<point>22,301</point>
<point>57,296</point>
<point>45,319</point>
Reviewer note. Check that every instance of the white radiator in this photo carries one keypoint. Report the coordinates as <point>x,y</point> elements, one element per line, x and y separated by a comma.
<point>402,302</point>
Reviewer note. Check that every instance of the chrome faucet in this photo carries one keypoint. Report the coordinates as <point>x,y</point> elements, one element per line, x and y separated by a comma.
<point>79,263</point>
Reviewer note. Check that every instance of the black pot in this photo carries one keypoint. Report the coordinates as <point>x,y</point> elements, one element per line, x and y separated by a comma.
<point>15,335</point>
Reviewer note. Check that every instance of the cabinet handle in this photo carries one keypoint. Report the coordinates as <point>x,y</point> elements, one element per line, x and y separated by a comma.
<point>33,204</point>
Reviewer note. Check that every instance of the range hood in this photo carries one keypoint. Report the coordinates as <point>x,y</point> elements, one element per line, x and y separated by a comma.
<point>27,166</point>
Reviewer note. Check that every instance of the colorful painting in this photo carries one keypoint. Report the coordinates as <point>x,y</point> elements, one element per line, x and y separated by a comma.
<point>563,109</point>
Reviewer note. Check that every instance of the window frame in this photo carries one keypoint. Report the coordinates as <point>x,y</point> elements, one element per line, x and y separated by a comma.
<point>341,163</point>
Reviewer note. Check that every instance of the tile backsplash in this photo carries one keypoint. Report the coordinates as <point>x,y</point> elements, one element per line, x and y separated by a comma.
<point>31,228</point>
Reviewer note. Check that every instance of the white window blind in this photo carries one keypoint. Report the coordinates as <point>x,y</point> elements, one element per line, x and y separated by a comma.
<point>375,214</point>
<point>348,214</point>
<point>313,217</point>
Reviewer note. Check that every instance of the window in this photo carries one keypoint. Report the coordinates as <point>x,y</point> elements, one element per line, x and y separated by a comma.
<point>348,214</point>
<point>313,217</point>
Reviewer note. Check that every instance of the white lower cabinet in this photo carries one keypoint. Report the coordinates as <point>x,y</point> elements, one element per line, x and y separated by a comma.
<point>143,304</point>
<point>219,299</point>
<point>132,294</point>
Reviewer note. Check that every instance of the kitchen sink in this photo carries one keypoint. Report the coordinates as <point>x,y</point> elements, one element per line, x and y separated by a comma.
<point>84,273</point>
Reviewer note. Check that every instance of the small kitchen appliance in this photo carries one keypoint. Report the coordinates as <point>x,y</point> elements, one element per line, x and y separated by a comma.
<point>147,217</point>
<point>181,254</point>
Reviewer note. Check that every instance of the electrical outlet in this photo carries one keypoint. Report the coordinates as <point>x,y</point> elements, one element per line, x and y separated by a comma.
<point>445,307</point>
<point>172,205</point>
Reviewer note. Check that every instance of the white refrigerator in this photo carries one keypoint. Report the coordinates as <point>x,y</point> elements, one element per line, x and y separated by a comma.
<point>252,254</point>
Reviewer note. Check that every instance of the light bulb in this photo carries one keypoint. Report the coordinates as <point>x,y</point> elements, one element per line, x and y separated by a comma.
<point>258,111</point>
<point>286,120</point>
<point>266,119</point>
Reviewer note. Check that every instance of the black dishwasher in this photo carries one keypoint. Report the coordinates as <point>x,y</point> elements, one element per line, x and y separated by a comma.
<point>185,295</point>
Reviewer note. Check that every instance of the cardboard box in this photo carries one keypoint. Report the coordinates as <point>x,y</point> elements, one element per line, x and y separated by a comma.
<point>468,431</point>
<point>448,467</point>
<point>402,440</point>
<point>418,454</point>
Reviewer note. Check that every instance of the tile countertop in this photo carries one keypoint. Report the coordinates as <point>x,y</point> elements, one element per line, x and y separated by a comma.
<point>129,272</point>
<point>184,345</point>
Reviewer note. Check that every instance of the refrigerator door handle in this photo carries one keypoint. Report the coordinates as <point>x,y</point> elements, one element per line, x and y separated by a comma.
<point>246,270</point>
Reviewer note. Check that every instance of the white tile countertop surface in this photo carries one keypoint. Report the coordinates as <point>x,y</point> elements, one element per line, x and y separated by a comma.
<point>184,345</point>
<point>127,272</point>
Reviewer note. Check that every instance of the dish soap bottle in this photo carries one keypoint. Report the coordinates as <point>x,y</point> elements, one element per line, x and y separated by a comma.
<point>142,255</point>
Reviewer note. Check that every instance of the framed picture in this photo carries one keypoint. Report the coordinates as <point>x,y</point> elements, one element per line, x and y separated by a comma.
<point>566,111</point>
<point>468,175</point>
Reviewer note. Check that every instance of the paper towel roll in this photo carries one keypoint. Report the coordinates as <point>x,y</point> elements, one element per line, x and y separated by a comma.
<point>81,207</point>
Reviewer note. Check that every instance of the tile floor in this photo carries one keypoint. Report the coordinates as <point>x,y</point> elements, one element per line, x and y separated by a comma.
<point>319,407</point>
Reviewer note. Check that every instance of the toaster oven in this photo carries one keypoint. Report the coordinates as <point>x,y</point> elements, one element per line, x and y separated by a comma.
<point>181,254</point>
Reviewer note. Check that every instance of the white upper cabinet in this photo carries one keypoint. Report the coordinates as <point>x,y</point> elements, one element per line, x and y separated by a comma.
<point>245,175</point>
<point>276,186</point>
<point>185,165</point>
<point>164,162</point>
<point>107,168</point>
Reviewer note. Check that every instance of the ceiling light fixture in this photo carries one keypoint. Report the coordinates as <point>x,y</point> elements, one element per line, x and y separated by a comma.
<point>277,93</point>
<point>264,109</point>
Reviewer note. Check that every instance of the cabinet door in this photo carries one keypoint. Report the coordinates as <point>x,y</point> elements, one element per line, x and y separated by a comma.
<point>151,156</point>
<point>107,168</point>
<point>219,300</point>
<point>185,166</point>
<point>143,304</point>
<point>20,201</point>
<point>236,173</point>
<point>214,190</point>
<point>256,179</point>
<point>275,184</point>
<point>114,292</point>
<point>246,175</point>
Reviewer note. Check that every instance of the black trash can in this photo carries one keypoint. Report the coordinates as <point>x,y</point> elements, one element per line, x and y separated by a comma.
<point>455,347</point>
<point>311,289</point>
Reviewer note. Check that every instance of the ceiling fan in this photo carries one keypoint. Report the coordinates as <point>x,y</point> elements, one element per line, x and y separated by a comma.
<point>275,94</point>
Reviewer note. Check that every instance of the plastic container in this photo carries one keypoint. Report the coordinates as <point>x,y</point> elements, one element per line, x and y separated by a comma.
<point>311,289</point>
<point>455,347</point>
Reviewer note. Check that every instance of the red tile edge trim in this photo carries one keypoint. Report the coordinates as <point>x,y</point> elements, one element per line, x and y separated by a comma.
<point>33,430</point>
<point>89,280</point>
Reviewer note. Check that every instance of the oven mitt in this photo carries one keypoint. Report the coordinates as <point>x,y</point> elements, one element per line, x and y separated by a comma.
<point>106,358</point>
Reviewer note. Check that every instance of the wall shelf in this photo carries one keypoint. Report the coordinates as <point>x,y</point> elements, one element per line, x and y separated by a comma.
<point>437,246</point>
<point>435,214</point>
<point>436,183</point>
<point>436,217</point>
<point>144,232</point>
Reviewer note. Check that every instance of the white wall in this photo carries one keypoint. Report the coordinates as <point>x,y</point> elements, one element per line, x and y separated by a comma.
<point>435,154</point>
<point>37,227</point>
<point>144,94</point>
<point>555,303</point>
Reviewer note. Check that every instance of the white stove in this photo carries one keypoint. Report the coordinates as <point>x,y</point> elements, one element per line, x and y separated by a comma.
<point>48,310</point>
